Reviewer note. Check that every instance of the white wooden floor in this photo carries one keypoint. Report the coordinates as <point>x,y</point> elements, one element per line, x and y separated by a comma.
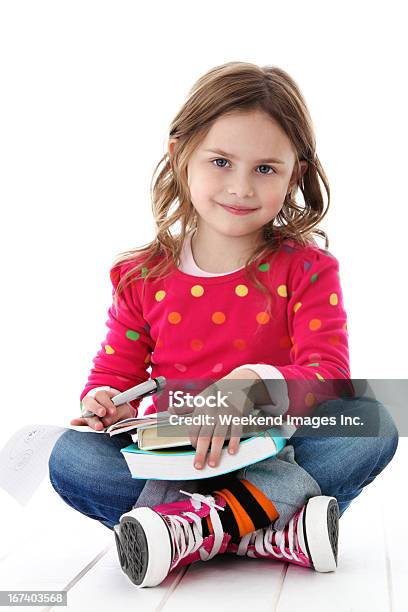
<point>47,545</point>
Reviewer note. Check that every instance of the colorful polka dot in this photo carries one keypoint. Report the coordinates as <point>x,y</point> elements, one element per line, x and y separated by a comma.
<point>334,300</point>
<point>319,376</point>
<point>263,267</point>
<point>315,356</point>
<point>284,342</point>
<point>180,367</point>
<point>217,368</point>
<point>239,344</point>
<point>241,290</point>
<point>197,290</point>
<point>109,350</point>
<point>309,365</point>
<point>309,400</point>
<point>297,306</point>
<point>174,317</point>
<point>307,265</point>
<point>282,291</point>
<point>196,344</point>
<point>314,277</point>
<point>334,340</point>
<point>262,318</point>
<point>218,318</point>
<point>144,272</point>
<point>160,295</point>
<point>132,335</point>
<point>315,324</point>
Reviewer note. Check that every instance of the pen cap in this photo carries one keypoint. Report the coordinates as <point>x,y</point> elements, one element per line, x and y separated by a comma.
<point>160,382</point>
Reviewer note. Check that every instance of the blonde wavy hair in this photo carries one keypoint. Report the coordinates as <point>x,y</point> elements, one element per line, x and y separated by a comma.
<point>234,86</point>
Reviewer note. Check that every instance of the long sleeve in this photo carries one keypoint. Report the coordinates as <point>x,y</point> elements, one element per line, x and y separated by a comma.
<point>124,356</point>
<point>317,325</point>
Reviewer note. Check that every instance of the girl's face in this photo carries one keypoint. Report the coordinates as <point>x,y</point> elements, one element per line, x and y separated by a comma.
<point>245,160</point>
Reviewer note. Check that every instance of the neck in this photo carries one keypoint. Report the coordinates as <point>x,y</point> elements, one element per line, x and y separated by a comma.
<point>218,253</point>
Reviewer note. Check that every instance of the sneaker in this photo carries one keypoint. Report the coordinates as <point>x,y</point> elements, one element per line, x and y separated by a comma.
<point>151,542</point>
<point>310,539</point>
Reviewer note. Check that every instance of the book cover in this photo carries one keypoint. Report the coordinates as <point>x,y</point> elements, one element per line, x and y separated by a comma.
<point>177,463</point>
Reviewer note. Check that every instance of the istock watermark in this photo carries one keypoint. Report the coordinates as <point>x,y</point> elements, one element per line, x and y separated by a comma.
<point>179,399</point>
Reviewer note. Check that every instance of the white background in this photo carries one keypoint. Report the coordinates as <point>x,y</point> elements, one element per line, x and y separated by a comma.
<point>88,90</point>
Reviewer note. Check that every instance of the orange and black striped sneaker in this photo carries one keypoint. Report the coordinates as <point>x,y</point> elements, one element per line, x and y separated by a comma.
<point>310,538</point>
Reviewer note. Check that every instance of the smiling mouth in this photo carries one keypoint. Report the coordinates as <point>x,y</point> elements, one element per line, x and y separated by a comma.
<point>238,208</point>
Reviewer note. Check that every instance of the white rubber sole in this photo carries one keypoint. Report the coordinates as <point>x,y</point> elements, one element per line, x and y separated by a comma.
<point>144,546</point>
<point>320,532</point>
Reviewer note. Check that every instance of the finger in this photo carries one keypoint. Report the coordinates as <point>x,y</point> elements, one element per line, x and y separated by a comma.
<point>94,406</point>
<point>80,421</point>
<point>121,412</point>
<point>95,423</point>
<point>200,431</point>
<point>202,448</point>
<point>194,432</point>
<point>104,398</point>
<point>233,445</point>
<point>216,448</point>
<point>235,437</point>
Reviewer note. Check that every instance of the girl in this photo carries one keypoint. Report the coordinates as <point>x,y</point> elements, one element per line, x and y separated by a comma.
<point>192,305</point>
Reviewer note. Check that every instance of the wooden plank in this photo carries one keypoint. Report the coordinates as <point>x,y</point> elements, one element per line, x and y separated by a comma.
<point>394,504</point>
<point>50,546</point>
<point>107,585</point>
<point>54,547</point>
<point>361,581</point>
<point>228,582</point>
<point>48,543</point>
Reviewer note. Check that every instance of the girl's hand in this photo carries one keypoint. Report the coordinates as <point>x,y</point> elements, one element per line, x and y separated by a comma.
<point>236,387</point>
<point>106,413</point>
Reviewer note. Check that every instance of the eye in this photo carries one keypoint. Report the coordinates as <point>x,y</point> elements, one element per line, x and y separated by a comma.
<point>217,160</point>
<point>266,166</point>
<point>222,159</point>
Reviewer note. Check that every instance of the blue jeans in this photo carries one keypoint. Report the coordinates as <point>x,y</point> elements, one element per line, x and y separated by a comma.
<point>90,474</point>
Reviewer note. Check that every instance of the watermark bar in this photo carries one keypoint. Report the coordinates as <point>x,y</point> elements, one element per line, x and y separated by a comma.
<point>33,598</point>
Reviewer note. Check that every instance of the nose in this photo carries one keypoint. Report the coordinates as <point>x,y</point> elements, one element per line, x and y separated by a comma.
<point>241,186</point>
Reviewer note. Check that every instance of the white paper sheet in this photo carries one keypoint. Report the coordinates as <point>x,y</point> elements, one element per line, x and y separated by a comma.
<point>24,459</point>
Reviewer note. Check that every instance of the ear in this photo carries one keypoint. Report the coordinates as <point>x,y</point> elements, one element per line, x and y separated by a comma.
<point>171,146</point>
<point>303,167</point>
<point>297,174</point>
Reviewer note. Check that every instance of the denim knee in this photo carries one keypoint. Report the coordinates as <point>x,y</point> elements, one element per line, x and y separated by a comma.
<point>383,442</point>
<point>58,457</point>
<point>388,436</point>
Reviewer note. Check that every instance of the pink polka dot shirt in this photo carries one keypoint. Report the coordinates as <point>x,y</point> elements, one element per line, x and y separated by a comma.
<point>200,325</point>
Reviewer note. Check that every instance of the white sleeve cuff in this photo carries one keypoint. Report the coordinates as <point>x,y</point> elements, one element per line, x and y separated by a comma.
<point>278,392</point>
<point>91,392</point>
